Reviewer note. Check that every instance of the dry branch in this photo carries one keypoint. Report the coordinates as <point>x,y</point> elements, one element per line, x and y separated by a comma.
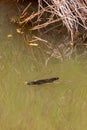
<point>72,13</point>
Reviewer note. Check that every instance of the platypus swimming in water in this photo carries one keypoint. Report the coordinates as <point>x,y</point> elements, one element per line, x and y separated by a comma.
<point>42,81</point>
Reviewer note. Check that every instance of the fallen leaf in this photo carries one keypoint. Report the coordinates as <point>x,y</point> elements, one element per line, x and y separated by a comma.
<point>9,35</point>
<point>33,44</point>
<point>19,31</point>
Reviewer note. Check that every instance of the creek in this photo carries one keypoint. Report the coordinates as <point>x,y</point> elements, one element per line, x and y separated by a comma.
<point>61,105</point>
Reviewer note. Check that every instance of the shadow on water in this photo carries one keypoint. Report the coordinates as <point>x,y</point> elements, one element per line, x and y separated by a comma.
<point>56,106</point>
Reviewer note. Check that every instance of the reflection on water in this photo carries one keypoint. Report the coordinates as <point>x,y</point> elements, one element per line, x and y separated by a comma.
<point>56,106</point>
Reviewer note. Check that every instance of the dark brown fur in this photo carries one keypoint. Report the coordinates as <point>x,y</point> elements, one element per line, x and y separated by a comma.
<point>43,81</point>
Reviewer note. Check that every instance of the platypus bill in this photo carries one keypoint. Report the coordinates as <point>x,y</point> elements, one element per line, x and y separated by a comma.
<point>42,81</point>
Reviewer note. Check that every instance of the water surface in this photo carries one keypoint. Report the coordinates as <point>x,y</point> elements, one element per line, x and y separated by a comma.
<point>56,106</point>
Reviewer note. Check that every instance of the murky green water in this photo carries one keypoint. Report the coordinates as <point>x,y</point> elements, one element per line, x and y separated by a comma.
<point>61,105</point>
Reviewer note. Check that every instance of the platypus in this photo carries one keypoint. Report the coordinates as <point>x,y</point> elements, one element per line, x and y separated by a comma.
<point>42,81</point>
